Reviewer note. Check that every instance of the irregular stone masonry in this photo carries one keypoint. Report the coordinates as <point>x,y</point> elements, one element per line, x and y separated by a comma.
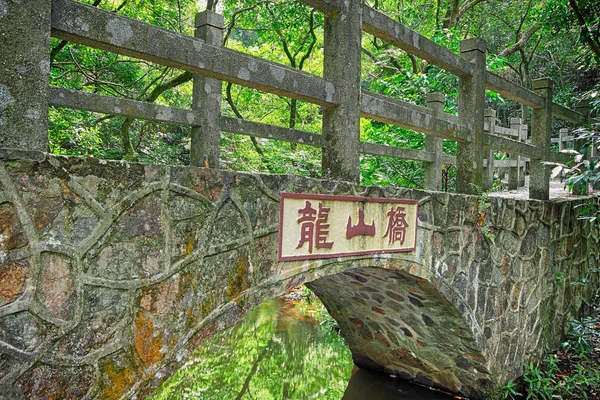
<point>112,273</point>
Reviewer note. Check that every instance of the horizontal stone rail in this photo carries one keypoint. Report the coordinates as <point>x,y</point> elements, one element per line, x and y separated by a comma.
<point>393,32</point>
<point>68,98</point>
<point>500,143</point>
<point>563,139</point>
<point>75,99</point>
<point>395,112</point>
<point>61,97</point>
<point>566,114</point>
<point>105,30</point>
<point>499,130</point>
<point>273,132</point>
<point>505,163</point>
<point>512,91</point>
<point>396,152</point>
<point>78,100</point>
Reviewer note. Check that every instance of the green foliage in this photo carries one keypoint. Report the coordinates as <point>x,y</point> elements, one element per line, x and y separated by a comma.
<point>548,383</point>
<point>561,17</point>
<point>580,333</point>
<point>570,374</point>
<point>509,390</point>
<point>539,384</point>
<point>583,171</point>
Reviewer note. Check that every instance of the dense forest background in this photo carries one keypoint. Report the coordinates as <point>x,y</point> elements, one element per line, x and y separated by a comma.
<point>527,39</point>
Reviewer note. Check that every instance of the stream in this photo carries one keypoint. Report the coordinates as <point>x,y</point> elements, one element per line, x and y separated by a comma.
<point>284,349</point>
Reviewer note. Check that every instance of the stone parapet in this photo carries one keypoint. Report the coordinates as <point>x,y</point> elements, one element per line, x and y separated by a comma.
<point>111,273</point>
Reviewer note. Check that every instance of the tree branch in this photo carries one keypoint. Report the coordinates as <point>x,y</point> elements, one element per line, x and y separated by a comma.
<point>235,16</point>
<point>522,42</point>
<point>595,47</point>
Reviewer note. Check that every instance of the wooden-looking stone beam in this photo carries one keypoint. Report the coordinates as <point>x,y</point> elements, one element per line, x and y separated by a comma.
<point>396,152</point>
<point>77,100</point>
<point>105,30</point>
<point>501,143</point>
<point>420,119</point>
<point>393,32</point>
<point>67,98</point>
<point>512,91</point>
<point>568,115</point>
<point>273,132</point>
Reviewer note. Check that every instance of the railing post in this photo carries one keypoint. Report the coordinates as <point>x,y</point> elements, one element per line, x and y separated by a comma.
<point>583,108</point>
<point>24,74</point>
<point>342,67</point>
<point>490,119</point>
<point>471,98</point>
<point>541,131</point>
<point>433,170</point>
<point>513,172</point>
<point>523,131</point>
<point>562,144</point>
<point>562,134</point>
<point>207,93</point>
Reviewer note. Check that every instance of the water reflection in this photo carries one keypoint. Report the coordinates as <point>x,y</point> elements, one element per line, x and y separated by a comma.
<point>282,350</point>
<point>371,385</point>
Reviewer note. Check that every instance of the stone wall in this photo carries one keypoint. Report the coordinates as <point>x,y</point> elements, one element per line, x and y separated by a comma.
<point>112,273</point>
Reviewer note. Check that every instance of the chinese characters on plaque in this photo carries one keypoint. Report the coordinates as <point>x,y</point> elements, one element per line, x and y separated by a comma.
<point>322,226</point>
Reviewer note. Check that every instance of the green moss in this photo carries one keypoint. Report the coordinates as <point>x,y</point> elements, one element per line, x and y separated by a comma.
<point>237,280</point>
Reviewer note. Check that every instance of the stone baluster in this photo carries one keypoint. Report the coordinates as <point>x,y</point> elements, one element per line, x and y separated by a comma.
<point>541,131</point>
<point>562,138</point>
<point>523,132</point>
<point>513,172</point>
<point>490,120</point>
<point>24,74</point>
<point>433,170</point>
<point>342,67</point>
<point>206,103</point>
<point>471,97</point>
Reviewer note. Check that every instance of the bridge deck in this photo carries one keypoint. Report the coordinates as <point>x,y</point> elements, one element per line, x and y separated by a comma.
<point>557,191</point>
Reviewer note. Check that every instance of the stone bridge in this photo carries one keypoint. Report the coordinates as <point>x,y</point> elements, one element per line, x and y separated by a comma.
<point>112,273</point>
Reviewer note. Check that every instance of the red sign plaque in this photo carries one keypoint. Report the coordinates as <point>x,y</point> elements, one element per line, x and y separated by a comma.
<point>321,226</point>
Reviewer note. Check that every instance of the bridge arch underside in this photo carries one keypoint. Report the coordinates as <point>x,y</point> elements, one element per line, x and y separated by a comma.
<point>401,325</point>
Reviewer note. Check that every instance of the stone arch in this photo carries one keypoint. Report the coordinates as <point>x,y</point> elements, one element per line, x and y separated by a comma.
<point>402,324</point>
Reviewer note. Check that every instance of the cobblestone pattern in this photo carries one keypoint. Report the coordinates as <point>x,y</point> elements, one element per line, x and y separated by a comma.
<point>112,273</point>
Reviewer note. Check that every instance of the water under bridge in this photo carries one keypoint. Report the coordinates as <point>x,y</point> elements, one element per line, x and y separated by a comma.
<point>113,272</point>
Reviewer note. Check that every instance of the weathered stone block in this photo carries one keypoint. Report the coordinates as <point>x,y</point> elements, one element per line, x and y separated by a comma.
<point>13,279</point>
<point>106,315</point>
<point>56,289</point>
<point>45,382</point>
<point>24,331</point>
<point>11,232</point>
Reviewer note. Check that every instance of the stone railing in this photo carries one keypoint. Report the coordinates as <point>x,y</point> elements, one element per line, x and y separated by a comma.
<point>25,94</point>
